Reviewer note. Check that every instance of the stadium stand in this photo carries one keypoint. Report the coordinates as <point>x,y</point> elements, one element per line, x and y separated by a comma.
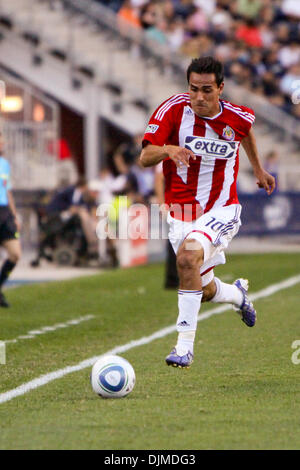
<point>125,50</point>
<point>259,41</point>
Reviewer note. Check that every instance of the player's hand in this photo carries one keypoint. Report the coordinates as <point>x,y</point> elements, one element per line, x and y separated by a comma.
<point>265,181</point>
<point>180,155</point>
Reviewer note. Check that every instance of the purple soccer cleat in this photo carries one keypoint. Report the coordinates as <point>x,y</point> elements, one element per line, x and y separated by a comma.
<point>246,310</point>
<point>179,361</point>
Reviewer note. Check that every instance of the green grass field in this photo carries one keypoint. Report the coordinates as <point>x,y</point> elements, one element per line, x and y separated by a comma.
<point>242,391</point>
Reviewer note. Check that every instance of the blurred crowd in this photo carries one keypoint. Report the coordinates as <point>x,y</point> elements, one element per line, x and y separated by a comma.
<point>257,40</point>
<point>124,175</point>
<point>68,217</point>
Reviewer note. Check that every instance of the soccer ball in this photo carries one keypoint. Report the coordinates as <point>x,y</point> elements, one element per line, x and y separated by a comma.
<point>112,377</point>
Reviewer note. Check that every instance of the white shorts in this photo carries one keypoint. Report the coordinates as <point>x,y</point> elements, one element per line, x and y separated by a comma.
<point>214,230</point>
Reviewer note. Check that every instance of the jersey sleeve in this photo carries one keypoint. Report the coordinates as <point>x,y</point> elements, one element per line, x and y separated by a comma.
<point>160,126</point>
<point>249,119</point>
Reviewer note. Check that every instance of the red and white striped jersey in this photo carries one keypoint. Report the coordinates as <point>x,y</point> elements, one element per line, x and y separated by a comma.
<point>210,181</point>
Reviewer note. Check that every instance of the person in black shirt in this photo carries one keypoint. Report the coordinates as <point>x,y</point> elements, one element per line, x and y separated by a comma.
<point>72,201</point>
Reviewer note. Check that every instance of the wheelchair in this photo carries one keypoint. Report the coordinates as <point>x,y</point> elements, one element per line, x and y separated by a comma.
<point>60,241</point>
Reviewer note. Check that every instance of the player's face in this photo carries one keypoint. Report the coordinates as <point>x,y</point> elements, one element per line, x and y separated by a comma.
<point>205,94</point>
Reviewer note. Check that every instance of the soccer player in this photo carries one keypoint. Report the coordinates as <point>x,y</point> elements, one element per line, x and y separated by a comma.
<point>197,135</point>
<point>9,225</point>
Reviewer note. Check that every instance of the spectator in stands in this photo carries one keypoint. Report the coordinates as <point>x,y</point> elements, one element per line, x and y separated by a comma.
<point>256,66</point>
<point>258,40</point>
<point>249,32</point>
<point>249,8</point>
<point>289,55</point>
<point>138,182</point>
<point>127,153</point>
<point>221,22</point>
<point>272,63</point>
<point>68,199</point>
<point>106,186</point>
<point>158,32</point>
<point>129,13</point>
<point>76,201</point>
<point>207,6</point>
<point>290,81</point>
<point>148,15</point>
<point>282,31</point>
<point>175,34</point>
<point>184,8</point>
<point>291,8</point>
<point>114,5</point>
<point>144,180</point>
<point>270,84</point>
<point>196,22</point>
<point>266,34</point>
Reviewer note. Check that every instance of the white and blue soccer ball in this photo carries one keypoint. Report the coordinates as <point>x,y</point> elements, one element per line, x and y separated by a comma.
<point>112,377</point>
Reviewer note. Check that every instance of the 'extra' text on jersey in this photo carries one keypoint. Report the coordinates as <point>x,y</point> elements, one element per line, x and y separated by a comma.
<point>210,180</point>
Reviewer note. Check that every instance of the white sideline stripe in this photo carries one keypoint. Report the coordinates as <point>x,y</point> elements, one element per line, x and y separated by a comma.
<point>44,379</point>
<point>46,329</point>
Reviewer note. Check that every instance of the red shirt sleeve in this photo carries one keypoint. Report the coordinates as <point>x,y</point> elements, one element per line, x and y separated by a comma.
<point>160,127</point>
<point>248,123</point>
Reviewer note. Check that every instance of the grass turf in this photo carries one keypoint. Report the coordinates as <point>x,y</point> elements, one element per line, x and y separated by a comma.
<point>242,391</point>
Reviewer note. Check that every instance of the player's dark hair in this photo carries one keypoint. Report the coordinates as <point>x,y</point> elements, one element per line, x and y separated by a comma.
<point>207,65</point>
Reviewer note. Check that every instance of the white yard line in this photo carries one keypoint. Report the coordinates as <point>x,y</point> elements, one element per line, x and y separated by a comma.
<point>44,379</point>
<point>46,329</point>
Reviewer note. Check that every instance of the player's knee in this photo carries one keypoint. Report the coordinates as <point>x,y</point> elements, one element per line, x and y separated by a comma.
<point>185,261</point>
<point>189,259</point>
<point>14,256</point>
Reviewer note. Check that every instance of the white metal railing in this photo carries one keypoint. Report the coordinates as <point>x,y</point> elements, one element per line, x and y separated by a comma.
<point>31,147</point>
<point>31,150</point>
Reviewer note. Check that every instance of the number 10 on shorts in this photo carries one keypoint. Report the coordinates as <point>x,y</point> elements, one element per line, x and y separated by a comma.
<point>2,353</point>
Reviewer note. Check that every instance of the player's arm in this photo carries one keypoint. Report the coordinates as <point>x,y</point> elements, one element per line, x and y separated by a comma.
<point>12,206</point>
<point>264,179</point>
<point>153,154</point>
<point>11,203</point>
<point>159,187</point>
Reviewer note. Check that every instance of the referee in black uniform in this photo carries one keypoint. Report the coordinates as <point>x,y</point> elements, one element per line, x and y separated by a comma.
<point>9,226</point>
